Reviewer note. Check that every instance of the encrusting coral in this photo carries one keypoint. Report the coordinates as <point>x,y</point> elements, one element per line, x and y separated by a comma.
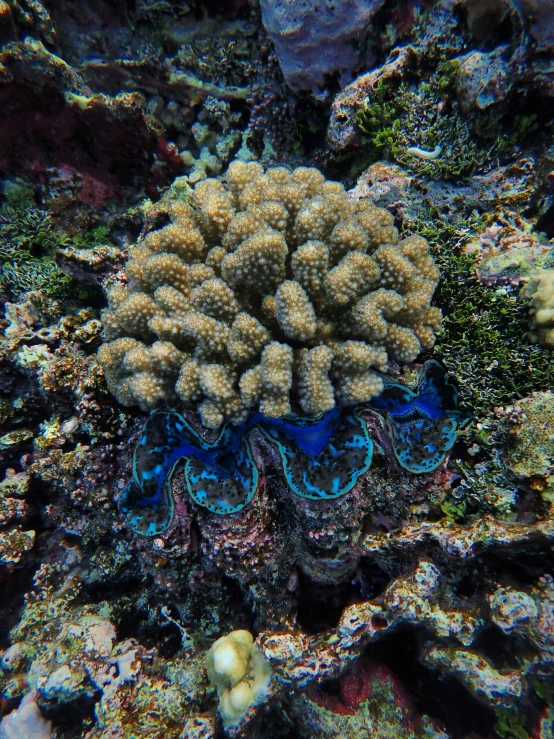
<point>265,290</point>
<point>239,672</point>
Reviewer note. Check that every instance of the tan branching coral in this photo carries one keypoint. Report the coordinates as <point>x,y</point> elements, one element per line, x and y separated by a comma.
<point>276,379</point>
<point>294,312</point>
<point>271,291</point>
<point>315,388</point>
<point>540,292</point>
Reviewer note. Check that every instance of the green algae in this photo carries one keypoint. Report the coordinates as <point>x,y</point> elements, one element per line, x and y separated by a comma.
<point>425,112</point>
<point>454,510</point>
<point>24,231</point>
<point>381,122</point>
<point>484,345</point>
<point>36,274</point>
<point>29,242</point>
<point>484,342</point>
<point>509,724</point>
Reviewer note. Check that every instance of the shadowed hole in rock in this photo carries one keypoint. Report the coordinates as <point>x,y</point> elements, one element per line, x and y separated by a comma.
<point>71,720</point>
<point>520,567</point>
<point>379,622</point>
<point>114,586</point>
<point>439,696</point>
<point>468,585</point>
<point>136,618</point>
<point>503,651</point>
<point>546,222</point>
<point>143,625</point>
<point>372,579</point>
<point>488,22</point>
<point>320,606</point>
<point>219,605</point>
<point>272,722</point>
<point>13,586</point>
<point>140,617</point>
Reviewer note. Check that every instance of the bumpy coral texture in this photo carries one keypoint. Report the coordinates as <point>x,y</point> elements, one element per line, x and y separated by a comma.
<point>540,291</point>
<point>269,291</point>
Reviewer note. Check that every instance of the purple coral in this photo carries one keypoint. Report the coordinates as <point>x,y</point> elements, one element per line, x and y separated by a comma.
<point>317,38</point>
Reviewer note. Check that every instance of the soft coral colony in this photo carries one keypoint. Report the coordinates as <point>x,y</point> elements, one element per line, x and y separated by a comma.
<point>272,299</point>
<point>265,286</point>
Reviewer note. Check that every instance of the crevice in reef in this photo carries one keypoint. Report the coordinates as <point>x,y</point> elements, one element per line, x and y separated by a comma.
<point>13,586</point>
<point>320,605</point>
<point>273,724</point>
<point>500,649</point>
<point>126,584</point>
<point>520,567</point>
<point>546,222</point>
<point>141,624</point>
<point>72,719</point>
<point>373,579</point>
<point>440,697</point>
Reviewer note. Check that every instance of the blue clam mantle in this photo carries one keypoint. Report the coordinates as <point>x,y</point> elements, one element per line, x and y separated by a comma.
<point>422,425</point>
<point>322,457</point>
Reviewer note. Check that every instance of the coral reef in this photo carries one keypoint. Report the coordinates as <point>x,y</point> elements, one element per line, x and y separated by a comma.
<point>272,110</point>
<point>529,427</point>
<point>272,283</point>
<point>509,254</point>
<point>26,722</point>
<point>36,79</point>
<point>29,245</point>
<point>71,653</point>
<point>485,341</point>
<point>383,567</point>
<point>433,93</point>
<point>370,701</point>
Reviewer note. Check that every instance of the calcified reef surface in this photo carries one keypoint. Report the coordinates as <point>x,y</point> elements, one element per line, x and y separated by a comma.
<point>277,420</point>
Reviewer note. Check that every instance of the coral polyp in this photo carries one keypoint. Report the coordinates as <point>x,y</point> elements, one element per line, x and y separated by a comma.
<point>271,292</point>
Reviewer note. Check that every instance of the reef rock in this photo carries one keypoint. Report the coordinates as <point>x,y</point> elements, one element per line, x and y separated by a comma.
<point>540,291</point>
<point>26,722</point>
